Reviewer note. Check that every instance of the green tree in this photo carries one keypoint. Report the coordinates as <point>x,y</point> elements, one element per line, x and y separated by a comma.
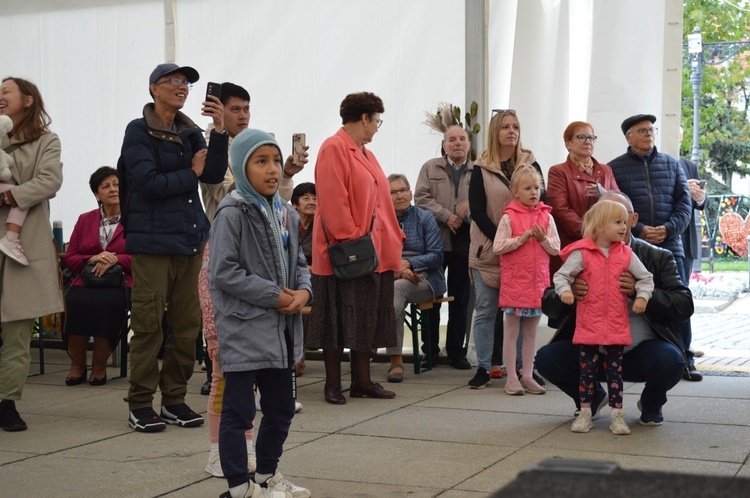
<point>724,122</point>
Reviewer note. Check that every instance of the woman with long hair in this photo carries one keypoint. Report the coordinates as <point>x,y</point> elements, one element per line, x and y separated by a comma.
<point>26,292</point>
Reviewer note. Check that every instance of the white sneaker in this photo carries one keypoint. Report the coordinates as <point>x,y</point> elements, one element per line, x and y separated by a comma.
<point>252,463</point>
<point>214,464</point>
<point>280,483</point>
<point>255,491</point>
<point>13,250</point>
<point>583,422</point>
<point>618,425</point>
<point>298,407</point>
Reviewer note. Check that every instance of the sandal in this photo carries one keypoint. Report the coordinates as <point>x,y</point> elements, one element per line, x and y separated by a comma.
<point>396,374</point>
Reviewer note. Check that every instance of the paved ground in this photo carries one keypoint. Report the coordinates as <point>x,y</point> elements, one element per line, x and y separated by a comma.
<point>437,438</point>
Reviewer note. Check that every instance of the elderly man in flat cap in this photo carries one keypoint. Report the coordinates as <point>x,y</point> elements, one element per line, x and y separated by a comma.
<point>163,157</point>
<point>658,189</point>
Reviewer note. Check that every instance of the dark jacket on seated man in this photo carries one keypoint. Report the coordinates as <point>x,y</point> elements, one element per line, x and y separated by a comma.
<point>671,303</point>
<point>655,356</point>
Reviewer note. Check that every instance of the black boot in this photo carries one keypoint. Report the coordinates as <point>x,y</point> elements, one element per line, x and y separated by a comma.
<point>10,420</point>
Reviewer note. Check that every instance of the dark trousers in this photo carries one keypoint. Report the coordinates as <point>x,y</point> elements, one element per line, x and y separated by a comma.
<point>685,330</point>
<point>459,287</point>
<point>657,363</point>
<point>238,412</point>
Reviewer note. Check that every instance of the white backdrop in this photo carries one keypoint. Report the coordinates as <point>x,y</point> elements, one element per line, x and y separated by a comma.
<point>552,60</point>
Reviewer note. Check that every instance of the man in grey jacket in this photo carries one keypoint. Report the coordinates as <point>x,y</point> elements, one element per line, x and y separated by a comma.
<point>443,188</point>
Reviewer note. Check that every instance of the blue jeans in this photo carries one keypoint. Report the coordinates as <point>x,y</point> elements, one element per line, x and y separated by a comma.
<point>656,362</point>
<point>485,311</point>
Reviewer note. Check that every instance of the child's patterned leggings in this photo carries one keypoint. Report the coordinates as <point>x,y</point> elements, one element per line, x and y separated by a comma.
<point>589,359</point>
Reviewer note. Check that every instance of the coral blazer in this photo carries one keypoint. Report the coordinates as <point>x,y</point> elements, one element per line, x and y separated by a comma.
<point>84,244</point>
<point>351,186</point>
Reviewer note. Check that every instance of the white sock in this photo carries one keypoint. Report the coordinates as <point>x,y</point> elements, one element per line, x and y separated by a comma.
<point>586,410</point>
<point>239,491</point>
<point>215,447</point>
<point>250,447</point>
<point>11,236</point>
<point>615,411</point>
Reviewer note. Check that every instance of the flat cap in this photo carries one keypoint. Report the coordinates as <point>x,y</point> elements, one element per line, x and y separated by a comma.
<point>628,123</point>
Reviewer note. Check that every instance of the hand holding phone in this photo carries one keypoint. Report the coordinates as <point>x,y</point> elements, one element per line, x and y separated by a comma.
<point>702,183</point>
<point>298,147</point>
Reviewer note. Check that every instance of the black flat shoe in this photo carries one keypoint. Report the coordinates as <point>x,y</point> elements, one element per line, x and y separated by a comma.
<point>375,391</point>
<point>74,381</point>
<point>206,388</point>
<point>97,382</point>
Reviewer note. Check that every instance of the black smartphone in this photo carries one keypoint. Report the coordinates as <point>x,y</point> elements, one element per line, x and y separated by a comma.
<point>213,89</point>
<point>702,184</point>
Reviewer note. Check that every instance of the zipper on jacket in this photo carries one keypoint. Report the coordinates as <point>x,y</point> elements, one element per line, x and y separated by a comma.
<point>650,195</point>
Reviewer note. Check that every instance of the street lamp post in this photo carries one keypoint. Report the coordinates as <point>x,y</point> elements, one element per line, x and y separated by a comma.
<point>697,54</point>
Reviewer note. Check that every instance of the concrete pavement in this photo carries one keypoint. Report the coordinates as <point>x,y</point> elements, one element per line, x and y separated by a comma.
<point>437,438</point>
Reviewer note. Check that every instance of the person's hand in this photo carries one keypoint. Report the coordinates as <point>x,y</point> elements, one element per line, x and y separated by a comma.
<point>567,297</point>
<point>214,109</point>
<point>627,283</point>
<point>525,236</point>
<point>285,300</point>
<point>298,300</point>
<point>454,223</point>
<point>104,257</point>
<point>661,234</point>
<point>639,305</point>
<point>654,235</point>
<point>580,288</point>
<point>291,168</point>
<point>410,276</point>
<point>405,265</point>
<point>594,190</point>
<point>538,233</point>
<point>213,353</point>
<point>462,209</point>
<point>697,193</point>
<point>199,162</point>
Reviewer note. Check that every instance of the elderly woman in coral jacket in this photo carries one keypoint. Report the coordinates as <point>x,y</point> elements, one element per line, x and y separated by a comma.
<point>575,185</point>
<point>356,314</point>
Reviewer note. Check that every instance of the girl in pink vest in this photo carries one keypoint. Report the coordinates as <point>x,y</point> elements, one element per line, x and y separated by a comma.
<point>526,237</point>
<point>602,318</point>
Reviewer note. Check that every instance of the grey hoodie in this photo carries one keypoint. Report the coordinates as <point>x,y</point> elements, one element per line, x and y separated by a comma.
<point>244,278</point>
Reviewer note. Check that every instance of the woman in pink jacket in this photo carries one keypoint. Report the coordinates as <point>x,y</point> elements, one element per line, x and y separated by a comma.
<point>352,189</point>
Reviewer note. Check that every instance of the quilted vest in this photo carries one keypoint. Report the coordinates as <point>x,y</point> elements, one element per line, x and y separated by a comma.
<point>602,317</point>
<point>524,273</point>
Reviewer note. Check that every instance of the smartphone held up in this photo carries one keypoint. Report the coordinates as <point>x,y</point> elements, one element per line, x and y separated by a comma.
<point>298,147</point>
<point>213,89</point>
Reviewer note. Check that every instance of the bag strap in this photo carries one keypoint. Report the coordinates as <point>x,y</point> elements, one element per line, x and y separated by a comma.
<point>372,223</point>
<point>13,147</point>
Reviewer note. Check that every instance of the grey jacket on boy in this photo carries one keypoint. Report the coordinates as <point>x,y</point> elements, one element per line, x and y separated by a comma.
<point>244,277</point>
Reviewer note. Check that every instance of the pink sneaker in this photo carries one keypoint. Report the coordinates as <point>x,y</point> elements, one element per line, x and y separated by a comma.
<point>13,250</point>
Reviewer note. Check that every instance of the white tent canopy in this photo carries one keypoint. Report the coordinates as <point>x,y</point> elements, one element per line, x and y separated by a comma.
<point>554,61</point>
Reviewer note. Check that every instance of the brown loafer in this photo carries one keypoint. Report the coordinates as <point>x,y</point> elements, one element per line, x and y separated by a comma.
<point>374,391</point>
<point>333,395</point>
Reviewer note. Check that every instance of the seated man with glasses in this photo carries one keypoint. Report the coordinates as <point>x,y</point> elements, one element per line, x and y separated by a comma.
<point>658,189</point>
<point>421,276</point>
<point>163,157</point>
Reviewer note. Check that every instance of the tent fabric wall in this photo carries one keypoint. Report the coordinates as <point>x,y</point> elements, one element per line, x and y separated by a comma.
<point>553,60</point>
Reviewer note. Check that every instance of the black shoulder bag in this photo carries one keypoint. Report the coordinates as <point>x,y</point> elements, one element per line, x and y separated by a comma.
<point>353,259</point>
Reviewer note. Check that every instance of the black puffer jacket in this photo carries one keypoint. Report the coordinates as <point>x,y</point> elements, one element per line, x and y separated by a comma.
<point>165,214</point>
<point>658,190</point>
<point>671,303</point>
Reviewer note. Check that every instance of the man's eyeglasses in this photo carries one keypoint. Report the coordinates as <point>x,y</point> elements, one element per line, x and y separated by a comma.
<point>647,131</point>
<point>500,111</point>
<point>402,191</point>
<point>583,138</point>
<point>176,82</point>
<point>380,122</point>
